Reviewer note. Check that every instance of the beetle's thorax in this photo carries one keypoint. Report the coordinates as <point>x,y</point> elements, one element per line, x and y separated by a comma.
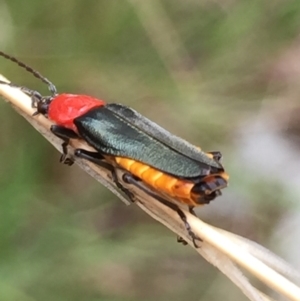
<point>64,108</point>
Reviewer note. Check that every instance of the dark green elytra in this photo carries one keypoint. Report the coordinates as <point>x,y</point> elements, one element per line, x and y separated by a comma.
<point>120,131</point>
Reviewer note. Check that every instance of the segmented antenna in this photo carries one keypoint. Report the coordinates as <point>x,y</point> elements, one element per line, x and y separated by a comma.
<point>51,87</point>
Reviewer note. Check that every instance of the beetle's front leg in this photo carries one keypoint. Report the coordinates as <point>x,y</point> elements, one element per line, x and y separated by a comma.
<point>64,134</point>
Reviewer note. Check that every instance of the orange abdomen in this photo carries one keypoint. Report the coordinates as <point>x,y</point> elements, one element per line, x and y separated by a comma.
<point>176,188</point>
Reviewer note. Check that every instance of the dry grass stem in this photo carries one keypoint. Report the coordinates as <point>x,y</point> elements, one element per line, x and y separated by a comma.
<point>218,247</point>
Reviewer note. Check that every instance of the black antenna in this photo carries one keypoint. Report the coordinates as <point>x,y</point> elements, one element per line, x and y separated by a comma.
<point>51,86</point>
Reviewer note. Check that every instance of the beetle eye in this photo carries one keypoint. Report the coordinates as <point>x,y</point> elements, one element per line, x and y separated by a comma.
<point>42,105</point>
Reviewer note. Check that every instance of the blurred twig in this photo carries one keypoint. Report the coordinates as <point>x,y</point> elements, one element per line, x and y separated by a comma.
<point>217,246</point>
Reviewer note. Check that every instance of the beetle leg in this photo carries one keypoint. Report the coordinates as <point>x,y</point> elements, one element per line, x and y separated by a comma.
<point>98,159</point>
<point>130,179</point>
<point>216,155</point>
<point>64,134</point>
<point>179,238</point>
<point>182,241</point>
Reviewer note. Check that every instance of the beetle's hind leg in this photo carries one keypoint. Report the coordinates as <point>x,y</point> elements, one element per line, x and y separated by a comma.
<point>130,179</point>
<point>179,238</point>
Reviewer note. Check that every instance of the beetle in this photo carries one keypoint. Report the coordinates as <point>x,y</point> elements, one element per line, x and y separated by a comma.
<point>121,135</point>
<point>167,164</point>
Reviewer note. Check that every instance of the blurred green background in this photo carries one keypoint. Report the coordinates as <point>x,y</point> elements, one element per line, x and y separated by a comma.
<point>222,74</point>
